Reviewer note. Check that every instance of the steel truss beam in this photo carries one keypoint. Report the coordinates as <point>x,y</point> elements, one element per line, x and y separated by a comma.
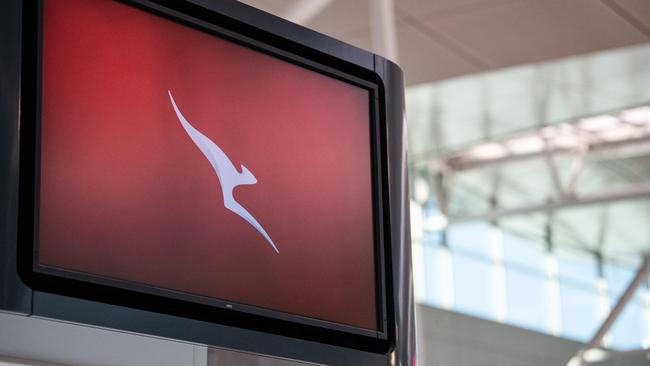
<point>637,191</point>
<point>567,138</point>
<point>459,163</point>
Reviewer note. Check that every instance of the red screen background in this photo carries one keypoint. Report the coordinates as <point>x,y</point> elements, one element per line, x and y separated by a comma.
<point>126,194</point>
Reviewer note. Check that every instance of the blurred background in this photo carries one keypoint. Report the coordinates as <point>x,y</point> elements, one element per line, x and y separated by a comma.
<point>529,138</point>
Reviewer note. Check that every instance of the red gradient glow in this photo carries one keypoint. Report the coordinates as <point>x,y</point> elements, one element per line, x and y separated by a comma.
<point>126,194</point>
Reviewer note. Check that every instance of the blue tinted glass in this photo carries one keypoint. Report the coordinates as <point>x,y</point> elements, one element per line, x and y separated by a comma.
<point>431,238</point>
<point>618,278</point>
<point>473,237</point>
<point>580,318</point>
<point>527,304</point>
<point>578,269</point>
<point>429,208</point>
<point>473,286</point>
<point>628,330</point>
<point>524,253</point>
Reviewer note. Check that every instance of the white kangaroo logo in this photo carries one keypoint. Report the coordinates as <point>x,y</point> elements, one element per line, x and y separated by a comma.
<point>228,175</point>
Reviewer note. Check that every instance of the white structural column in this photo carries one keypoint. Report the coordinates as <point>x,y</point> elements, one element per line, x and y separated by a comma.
<point>417,253</point>
<point>553,294</point>
<point>419,274</point>
<point>604,305</point>
<point>383,32</point>
<point>305,10</point>
<point>447,280</point>
<point>200,355</point>
<point>646,302</point>
<point>499,275</point>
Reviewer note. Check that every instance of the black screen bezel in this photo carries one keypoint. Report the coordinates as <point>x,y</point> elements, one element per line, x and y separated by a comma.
<point>141,296</point>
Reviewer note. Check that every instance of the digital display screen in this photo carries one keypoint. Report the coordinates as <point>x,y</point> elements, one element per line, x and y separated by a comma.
<point>172,158</point>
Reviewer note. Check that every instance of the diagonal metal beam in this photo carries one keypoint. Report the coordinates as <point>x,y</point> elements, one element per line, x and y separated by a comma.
<point>641,275</point>
<point>554,173</point>
<point>576,168</point>
<point>597,340</point>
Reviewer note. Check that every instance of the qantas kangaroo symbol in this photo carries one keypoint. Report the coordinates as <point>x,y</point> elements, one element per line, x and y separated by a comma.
<point>229,177</point>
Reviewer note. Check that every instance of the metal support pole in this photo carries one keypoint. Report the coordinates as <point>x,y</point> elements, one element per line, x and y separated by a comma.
<point>576,168</point>
<point>441,187</point>
<point>553,170</point>
<point>382,28</point>
<point>597,340</point>
<point>641,276</point>
<point>305,10</point>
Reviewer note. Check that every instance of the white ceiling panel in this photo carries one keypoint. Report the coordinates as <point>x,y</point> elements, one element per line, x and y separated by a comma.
<point>440,39</point>
<point>423,58</point>
<point>529,31</point>
<point>420,8</point>
<point>340,17</point>
<point>359,39</point>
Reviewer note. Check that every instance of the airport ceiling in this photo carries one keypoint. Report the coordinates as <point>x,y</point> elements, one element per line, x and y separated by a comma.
<point>441,39</point>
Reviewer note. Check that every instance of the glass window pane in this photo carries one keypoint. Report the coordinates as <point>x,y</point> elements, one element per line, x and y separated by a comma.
<point>580,318</point>
<point>618,278</point>
<point>578,268</point>
<point>527,300</point>
<point>473,238</point>
<point>628,331</point>
<point>431,238</point>
<point>523,253</point>
<point>419,279</point>
<point>473,286</point>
